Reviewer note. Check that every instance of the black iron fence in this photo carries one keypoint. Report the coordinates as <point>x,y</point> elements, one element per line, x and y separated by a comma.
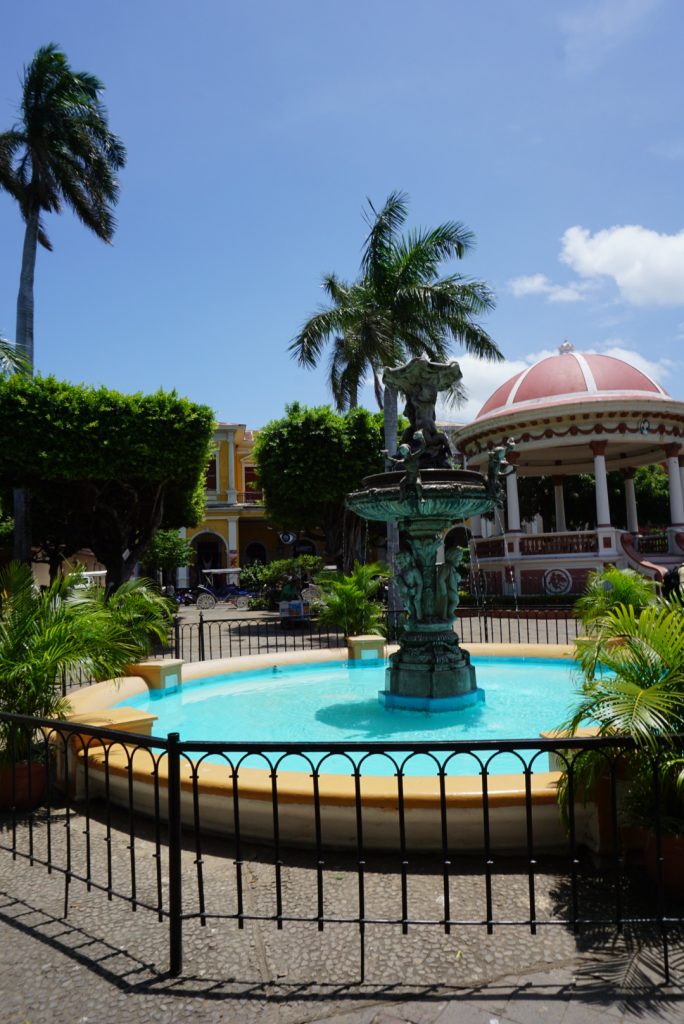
<point>65,787</point>
<point>235,637</point>
<point>209,638</point>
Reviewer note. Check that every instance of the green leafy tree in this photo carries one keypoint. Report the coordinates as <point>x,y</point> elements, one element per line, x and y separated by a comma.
<point>309,460</point>
<point>166,553</point>
<point>113,468</point>
<point>536,495</point>
<point>652,491</point>
<point>398,307</point>
<point>10,360</point>
<point>351,602</point>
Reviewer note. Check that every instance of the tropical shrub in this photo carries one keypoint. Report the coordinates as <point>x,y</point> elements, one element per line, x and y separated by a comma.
<point>269,582</point>
<point>607,589</point>
<point>351,602</point>
<point>64,629</point>
<point>632,667</point>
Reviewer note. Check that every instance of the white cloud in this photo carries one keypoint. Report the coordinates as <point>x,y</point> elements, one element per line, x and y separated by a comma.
<point>539,284</point>
<point>658,369</point>
<point>481,379</point>
<point>593,32</point>
<point>647,267</point>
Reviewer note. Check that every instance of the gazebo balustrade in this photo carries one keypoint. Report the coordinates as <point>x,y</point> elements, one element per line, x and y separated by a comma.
<point>583,543</point>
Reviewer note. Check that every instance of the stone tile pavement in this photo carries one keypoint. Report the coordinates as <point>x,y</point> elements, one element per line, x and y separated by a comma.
<point>105,963</point>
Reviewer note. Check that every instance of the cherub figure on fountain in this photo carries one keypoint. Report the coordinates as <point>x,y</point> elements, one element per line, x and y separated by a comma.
<point>409,580</point>
<point>448,581</point>
<point>408,458</point>
<point>498,468</point>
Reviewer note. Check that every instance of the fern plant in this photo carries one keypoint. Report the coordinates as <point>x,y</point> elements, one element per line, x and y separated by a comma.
<point>607,589</point>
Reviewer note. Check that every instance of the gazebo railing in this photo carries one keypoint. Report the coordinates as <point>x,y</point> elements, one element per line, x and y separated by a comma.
<point>559,544</point>
<point>492,547</point>
<point>652,544</point>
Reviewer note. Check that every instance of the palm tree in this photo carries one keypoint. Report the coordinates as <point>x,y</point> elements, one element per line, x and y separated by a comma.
<point>397,308</point>
<point>61,152</point>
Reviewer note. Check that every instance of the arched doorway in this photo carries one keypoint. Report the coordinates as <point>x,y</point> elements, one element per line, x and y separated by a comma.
<point>255,552</point>
<point>210,553</point>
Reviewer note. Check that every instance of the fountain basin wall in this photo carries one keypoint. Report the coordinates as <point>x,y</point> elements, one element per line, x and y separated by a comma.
<point>379,795</point>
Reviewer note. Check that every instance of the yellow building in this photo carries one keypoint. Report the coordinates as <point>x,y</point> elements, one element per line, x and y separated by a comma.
<point>235,531</point>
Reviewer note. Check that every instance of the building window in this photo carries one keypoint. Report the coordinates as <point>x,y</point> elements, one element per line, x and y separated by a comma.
<point>210,479</point>
<point>251,494</point>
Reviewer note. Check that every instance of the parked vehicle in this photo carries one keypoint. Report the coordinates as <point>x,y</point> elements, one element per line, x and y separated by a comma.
<point>218,587</point>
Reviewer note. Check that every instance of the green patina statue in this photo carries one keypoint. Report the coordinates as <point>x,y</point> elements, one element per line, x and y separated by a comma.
<point>427,497</point>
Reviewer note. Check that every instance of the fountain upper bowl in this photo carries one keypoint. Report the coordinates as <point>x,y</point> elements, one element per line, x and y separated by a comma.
<point>451,494</point>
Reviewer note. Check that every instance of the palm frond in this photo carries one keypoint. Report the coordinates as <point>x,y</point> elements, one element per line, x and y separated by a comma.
<point>383,226</point>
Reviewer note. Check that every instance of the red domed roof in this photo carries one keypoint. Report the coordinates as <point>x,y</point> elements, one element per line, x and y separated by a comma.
<point>571,376</point>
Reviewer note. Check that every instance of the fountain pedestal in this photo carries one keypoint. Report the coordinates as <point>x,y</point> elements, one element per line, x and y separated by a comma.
<point>430,672</point>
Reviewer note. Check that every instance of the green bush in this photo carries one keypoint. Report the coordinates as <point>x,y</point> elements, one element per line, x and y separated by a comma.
<point>350,602</point>
<point>285,577</point>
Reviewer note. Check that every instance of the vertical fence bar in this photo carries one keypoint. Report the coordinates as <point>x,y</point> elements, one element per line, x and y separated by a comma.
<point>176,637</point>
<point>175,866</point>
<point>200,638</point>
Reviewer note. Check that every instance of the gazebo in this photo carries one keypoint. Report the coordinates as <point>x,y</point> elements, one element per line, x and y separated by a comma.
<point>575,413</point>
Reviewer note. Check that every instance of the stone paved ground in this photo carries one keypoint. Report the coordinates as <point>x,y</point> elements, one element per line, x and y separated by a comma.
<point>108,964</point>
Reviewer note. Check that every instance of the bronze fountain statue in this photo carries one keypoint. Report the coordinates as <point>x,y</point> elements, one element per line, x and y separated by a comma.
<point>427,496</point>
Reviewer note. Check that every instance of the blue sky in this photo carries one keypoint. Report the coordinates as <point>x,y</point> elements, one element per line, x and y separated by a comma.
<point>256,130</point>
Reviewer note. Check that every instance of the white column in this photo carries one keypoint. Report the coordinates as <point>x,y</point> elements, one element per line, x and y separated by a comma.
<point>476,526</point>
<point>559,500</point>
<point>630,502</point>
<point>232,493</point>
<point>676,499</point>
<point>601,483</point>
<point>512,505</point>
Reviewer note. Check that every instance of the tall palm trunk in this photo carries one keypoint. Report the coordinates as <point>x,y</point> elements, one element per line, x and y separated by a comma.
<point>24,345</point>
<point>24,333</point>
<point>390,403</point>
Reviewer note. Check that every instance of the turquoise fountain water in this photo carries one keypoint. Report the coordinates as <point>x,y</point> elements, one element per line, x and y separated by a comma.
<point>335,702</point>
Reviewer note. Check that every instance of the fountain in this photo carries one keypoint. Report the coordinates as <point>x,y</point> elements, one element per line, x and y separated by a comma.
<point>426,496</point>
